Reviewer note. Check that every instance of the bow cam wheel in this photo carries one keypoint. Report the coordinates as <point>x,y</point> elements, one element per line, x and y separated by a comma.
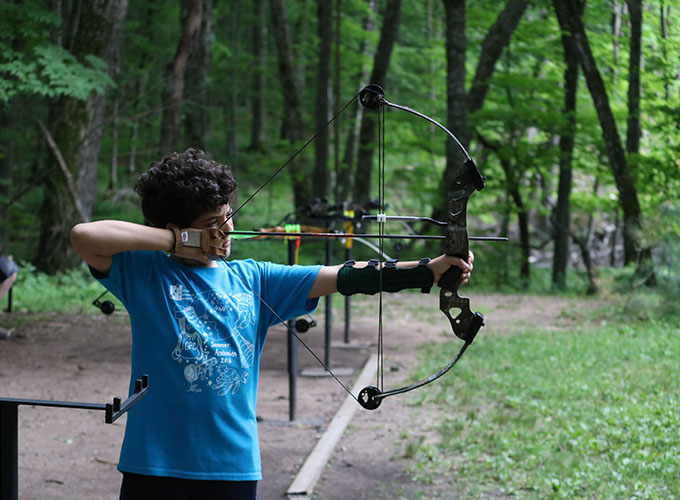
<point>368,397</point>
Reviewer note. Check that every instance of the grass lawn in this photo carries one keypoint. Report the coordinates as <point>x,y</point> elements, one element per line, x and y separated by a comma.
<point>589,413</point>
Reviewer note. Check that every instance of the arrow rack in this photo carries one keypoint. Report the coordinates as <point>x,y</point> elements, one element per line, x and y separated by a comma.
<point>9,419</point>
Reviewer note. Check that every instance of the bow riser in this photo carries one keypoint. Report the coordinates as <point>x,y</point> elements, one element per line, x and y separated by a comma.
<point>466,323</point>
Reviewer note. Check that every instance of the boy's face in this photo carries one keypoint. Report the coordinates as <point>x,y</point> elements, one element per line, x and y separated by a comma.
<point>219,218</point>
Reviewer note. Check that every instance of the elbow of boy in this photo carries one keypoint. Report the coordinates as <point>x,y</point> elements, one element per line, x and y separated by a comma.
<point>79,235</point>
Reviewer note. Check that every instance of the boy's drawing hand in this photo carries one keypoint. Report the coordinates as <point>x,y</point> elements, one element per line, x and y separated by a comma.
<point>202,245</point>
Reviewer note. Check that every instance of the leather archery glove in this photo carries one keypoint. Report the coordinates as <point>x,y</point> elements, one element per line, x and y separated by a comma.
<point>199,244</point>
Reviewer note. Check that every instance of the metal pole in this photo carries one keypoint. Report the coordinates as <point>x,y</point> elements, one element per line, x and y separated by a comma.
<point>9,450</point>
<point>348,299</point>
<point>329,310</point>
<point>292,351</point>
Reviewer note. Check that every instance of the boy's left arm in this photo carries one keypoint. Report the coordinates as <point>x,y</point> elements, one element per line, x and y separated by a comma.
<point>327,280</point>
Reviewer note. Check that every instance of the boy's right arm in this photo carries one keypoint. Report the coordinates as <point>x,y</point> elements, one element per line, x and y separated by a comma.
<point>97,242</point>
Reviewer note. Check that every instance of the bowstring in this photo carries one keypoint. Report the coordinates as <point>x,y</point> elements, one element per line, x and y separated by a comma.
<point>290,330</point>
<point>380,375</point>
<point>381,231</point>
<point>289,160</point>
<point>247,285</point>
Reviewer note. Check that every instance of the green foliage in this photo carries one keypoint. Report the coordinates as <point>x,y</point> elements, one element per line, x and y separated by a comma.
<point>68,292</point>
<point>39,67</point>
<point>522,114</point>
<point>664,236</point>
<point>52,71</point>
<point>588,412</point>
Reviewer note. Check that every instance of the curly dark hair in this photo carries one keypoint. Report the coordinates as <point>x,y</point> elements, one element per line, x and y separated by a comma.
<point>183,186</point>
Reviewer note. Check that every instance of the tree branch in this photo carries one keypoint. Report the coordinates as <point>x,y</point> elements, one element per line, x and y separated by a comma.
<point>64,169</point>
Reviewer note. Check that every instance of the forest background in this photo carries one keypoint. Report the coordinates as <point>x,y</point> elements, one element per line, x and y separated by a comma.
<point>572,111</point>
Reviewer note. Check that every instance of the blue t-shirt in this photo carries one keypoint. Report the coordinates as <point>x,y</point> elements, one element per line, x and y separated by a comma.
<point>198,333</point>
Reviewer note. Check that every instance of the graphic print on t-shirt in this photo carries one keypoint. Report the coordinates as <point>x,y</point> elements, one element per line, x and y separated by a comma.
<point>211,349</point>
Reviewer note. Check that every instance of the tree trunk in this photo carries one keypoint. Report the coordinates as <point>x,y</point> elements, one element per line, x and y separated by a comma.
<point>460,103</point>
<point>173,90</point>
<point>430,39</point>
<point>513,181</point>
<point>522,221</point>
<point>633,132</point>
<point>232,89</point>
<point>561,217</point>
<point>259,37</point>
<point>456,97</point>
<point>115,112</point>
<point>616,31</point>
<point>381,62</point>
<point>584,244</point>
<point>664,11</point>
<point>591,270</point>
<point>497,38</point>
<point>115,124</point>
<point>570,20</point>
<point>344,177</point>
<point>299,35</point>
<point>140,85</point>
<point>197,99</point>
<point>77,130</point>
<point>6,157</point>
<point>292,127</point>
<point>337,85</point>
<point>325,30</point>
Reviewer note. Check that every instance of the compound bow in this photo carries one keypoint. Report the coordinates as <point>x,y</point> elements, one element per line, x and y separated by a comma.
<point>465,182</point>
<point>466,323</point>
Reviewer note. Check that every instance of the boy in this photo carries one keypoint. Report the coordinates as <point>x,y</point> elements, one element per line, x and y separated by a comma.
<point>198,327</point>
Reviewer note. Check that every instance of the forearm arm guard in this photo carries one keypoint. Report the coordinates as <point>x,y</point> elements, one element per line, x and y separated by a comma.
<point>370,280</point>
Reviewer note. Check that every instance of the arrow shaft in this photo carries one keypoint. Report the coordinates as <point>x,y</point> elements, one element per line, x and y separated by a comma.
<point>357,235</point>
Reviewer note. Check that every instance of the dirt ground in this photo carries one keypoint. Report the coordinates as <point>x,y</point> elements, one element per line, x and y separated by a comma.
<point>67,454</point>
